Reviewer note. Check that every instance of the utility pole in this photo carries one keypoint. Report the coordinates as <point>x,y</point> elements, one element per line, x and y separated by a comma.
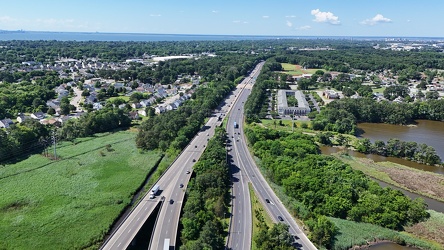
<point>54,141</point>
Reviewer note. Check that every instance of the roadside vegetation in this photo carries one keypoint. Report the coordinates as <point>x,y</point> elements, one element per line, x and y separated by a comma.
<point>327,187</point>
<point>208,198</point>
<point>71,203</point>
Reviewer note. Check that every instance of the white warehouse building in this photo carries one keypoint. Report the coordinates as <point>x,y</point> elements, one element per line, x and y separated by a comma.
<point>302,108</point>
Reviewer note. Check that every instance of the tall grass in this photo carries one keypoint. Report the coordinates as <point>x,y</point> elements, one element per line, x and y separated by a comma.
<point>70,203</point>
<point>356,234</point>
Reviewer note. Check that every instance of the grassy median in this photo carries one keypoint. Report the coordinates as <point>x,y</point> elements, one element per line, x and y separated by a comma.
<point>258,213</point>
<point>72,202</point>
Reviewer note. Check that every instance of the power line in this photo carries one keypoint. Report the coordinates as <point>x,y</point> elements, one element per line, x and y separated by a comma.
<point>54,141</point>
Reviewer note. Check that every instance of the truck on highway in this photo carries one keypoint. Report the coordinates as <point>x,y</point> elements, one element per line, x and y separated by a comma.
<point>154,191</point>
<point>166,244</point>
<point>235,125</point>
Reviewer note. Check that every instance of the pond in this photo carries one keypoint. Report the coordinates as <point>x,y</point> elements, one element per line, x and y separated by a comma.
<point>425,131</point>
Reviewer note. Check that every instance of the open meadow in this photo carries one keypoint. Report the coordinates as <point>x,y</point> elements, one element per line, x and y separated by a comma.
<point>71,203</point>
<point>294,69</point>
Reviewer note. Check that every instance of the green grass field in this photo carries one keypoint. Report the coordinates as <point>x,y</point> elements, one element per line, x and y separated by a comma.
<point>70,203</point>
<point>286,125</point>
<point>293,69</point>
<point>357,234</point>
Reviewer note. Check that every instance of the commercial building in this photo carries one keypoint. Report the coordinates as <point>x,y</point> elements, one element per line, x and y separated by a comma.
<point>283,109</point>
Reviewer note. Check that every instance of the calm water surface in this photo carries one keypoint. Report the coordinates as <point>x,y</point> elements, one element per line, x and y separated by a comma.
<point>428,132</point>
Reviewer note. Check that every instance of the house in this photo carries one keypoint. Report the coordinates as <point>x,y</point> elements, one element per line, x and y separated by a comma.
<point>145,103</point>
<point>97,106</point>
<point>134,115</point>
<point>55,104</point>
<point>21,118</point>
<point>142,112</point>
<point>119,85</point>
<point>331,94</point>
<point>136,105</point>
<point>159,109</point>
<point>38,115</point>
<point>6,123</point>
<point>178,103</point>
<point>171,106</point>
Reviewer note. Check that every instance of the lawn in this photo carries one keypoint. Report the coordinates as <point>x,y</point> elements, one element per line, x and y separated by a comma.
<point>71,203</point>
<point>285,125</point>
<point>294,69</point>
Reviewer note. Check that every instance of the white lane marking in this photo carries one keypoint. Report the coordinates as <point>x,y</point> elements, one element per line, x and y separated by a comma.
<point>119,244</point>
<point>138,218</point>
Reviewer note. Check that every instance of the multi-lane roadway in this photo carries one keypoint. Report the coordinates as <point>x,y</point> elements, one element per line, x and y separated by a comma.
<point>174,182</point>
<point>246,171</point>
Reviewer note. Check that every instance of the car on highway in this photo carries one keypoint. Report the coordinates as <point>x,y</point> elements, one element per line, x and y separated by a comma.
<point>267,200</point>
<point>171,201</point>
<point>181,185</point>
<point>187,172</point>
<point>280,218</point>
<point>194,160</point>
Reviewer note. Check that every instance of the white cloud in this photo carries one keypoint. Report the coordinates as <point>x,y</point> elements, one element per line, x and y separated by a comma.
<point>265,17</point>
<point>215,11</point>
<point>305,27</point>
<point>292,16</point>
<point>325,17</point>
<point>155,15</point>
<point>376,19</point>
<point>239,21</point>
<point>289,24</point>
<point>5,19</point>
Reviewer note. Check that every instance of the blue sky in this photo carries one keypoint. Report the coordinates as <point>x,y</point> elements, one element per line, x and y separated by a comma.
<point>230,17</point>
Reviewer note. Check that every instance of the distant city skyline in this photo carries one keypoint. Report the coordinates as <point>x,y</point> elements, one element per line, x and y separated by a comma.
<point>408,18</point>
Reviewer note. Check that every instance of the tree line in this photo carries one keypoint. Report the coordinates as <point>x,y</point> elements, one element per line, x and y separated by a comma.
<point>176,128</point>
<point>325,186</point>
<point>207,199</point>
<point>413,151</point>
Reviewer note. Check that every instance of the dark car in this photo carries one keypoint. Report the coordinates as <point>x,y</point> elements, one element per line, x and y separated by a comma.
<point>194,160</point>
<point>267,200</point>
<point>181,185</point>
<point>171,201</point>
<point>280,218</point>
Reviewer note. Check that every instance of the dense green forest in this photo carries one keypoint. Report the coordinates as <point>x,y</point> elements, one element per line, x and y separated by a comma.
<point>208,198</point>
<point>350,56</point>
<point>325,186</point>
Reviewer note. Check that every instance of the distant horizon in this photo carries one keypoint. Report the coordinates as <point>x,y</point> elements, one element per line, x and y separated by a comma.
<point>341,18</point>
<point>219,35</point>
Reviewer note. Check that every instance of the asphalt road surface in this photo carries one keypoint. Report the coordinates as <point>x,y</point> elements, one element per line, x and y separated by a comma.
<point>244,171</point>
